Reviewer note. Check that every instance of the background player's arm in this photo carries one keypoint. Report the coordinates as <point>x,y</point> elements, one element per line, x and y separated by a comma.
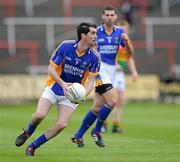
<point>132,68</point>
<point>128,44</point>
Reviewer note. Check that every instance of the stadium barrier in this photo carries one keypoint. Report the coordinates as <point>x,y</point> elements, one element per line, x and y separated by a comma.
<point>170,89</point>
<point>18,88</point>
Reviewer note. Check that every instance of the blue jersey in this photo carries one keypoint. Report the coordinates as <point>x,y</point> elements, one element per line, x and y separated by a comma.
<point>72,66</point>
<point>108,44</point>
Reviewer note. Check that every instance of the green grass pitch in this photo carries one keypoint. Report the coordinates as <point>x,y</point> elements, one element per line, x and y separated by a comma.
<point>151,134</point>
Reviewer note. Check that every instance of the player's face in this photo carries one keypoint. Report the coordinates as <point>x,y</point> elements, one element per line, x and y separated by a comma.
<point>109,17</point>
<point>91,36</point>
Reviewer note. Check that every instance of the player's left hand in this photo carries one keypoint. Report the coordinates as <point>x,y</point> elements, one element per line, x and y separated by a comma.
<point>65,87</point>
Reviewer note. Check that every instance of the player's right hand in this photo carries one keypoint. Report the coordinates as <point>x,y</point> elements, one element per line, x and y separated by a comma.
<point>135,76</point>
<point>65,87</point>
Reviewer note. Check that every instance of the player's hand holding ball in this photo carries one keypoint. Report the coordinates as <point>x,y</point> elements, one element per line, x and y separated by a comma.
<point>76,93</point>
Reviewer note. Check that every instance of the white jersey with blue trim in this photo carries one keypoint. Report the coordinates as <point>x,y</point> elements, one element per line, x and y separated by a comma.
<point>108,44</point>
<point>72,66</point>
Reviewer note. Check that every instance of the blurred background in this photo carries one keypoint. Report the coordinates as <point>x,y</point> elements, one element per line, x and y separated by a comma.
<point>30,30</point>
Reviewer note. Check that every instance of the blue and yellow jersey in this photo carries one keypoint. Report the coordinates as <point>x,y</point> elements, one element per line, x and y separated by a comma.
<point>122,57</point>
<point>73,66</point>
<point>108,43</point>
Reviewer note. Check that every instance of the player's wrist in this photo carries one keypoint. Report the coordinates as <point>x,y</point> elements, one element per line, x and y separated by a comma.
<point>126,40</point>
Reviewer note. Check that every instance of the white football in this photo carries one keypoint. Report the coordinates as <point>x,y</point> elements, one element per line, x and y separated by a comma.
<point>76,93</point>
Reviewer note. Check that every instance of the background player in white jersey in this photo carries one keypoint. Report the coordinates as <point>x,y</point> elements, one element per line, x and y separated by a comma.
<point>73,61</point>
<point>122,60</point>
<point>108,41</point>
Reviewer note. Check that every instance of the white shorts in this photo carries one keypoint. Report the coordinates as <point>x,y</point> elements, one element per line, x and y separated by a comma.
<point>106,73</point>
<point>119,80</point>
<point>55,99</point>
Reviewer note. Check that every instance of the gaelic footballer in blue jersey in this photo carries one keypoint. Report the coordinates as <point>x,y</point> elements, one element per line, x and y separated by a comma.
<point>72,66</point>
<point>108,43</point>
<point>110,37</point>
<point>73,61</point>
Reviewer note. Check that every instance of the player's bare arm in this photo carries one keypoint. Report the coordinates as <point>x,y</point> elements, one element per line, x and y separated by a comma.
<point>132,68</point>
<point>89,86</point>
<point>52,72</point>
<point>128,44</point>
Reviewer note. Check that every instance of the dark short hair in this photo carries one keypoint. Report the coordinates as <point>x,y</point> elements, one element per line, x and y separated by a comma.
<point>84,28</point>
<point>109,8</point>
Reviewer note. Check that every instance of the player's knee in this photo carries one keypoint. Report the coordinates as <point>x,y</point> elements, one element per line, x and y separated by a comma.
<point>61,126</point>
<point>112,102</point>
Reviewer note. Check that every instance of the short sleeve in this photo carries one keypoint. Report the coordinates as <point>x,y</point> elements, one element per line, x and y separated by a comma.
<point>58,55</point>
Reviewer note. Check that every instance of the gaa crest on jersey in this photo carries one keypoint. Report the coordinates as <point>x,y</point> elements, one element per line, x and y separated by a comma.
<point>84,64</point>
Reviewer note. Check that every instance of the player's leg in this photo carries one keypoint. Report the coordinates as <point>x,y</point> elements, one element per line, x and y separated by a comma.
<point>88,120</point>
<point>43,108</point>
<point>110,100</point>
<point>64,115</point>
<point>117,112</point>
<point>119,84</point>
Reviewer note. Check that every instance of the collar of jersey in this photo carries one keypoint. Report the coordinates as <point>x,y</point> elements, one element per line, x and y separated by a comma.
<point>103,29</point>
<point>78,53</point>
